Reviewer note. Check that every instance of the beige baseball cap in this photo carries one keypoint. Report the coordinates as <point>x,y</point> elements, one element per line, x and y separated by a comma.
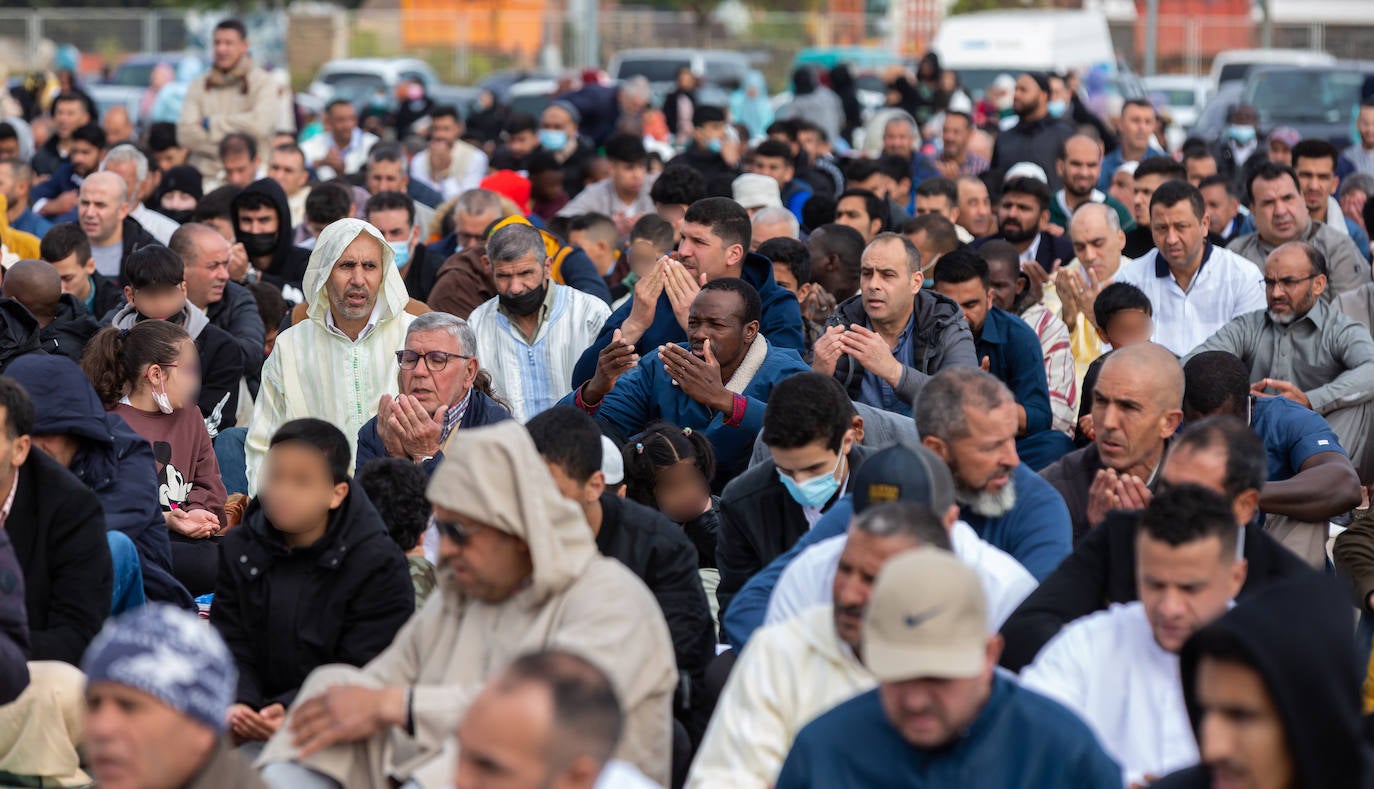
<point>927,618</point>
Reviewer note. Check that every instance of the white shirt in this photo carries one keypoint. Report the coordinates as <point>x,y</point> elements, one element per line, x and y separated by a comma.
<point>354,155</point>
<point>159,226</point>
<point>623,775</point>
<point>1225,286</point>
<point>468,168</point>
<point>807,581</point>
<point>1108,668</point>
<point>1032,250</point>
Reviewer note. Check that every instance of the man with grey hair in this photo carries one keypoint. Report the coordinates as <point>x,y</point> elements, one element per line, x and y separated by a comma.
<point>103,209</point>
<point>534,330</point>
<point>128,162</point>
<point>442,389</point>
<point>463,281</point>
<point>1300,347</point>
<point>772,222</point>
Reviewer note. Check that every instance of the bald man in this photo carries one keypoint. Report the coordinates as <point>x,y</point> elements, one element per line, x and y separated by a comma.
<point>1137,405</point>
<point>118,128</point>
<point>103,210</point>
<point>1080,165</point>
<point>65,326</point>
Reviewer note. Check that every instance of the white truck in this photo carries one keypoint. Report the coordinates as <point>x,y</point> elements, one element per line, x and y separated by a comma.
<point>982,45</point>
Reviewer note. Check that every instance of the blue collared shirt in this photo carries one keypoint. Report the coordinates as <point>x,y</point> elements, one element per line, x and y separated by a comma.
<point>875,391</point>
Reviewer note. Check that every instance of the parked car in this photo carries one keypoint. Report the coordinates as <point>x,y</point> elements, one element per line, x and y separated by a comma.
<point>714,67</point>
<point>1318,101</point>
<point>1234,65</point>
<point>1179,96</point>
<point>359,79</point>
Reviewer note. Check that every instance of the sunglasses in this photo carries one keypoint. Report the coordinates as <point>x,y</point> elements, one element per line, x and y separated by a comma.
<point>454,531</point>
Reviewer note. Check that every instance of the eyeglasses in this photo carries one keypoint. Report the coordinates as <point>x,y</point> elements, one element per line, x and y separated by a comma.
<point>434,360</point>
<point>453,531</point>
<point>1287,283</point>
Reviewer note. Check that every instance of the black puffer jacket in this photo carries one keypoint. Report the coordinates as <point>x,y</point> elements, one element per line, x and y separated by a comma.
<point>941,340</point>
<point>71,328</point>
<point>18,332</point>
<point>285,611</point>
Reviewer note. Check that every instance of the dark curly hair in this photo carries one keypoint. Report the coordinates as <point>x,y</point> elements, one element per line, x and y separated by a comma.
<point>397,489</point>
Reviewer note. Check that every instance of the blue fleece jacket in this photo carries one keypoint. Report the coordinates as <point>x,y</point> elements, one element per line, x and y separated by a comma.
<point>116,463</point>
<point>1020,740</point>
<point>647,394</point>
<point>1036,532</point>
<point>781,322</point>
<point>482,411</point>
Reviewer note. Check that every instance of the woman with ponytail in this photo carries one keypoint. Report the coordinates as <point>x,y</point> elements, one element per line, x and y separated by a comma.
<point>150,376</point>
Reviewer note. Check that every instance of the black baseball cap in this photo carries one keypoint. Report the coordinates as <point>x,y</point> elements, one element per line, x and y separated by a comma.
<point>908,472</point>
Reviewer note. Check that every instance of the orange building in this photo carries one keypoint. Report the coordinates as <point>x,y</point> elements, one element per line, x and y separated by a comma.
<point>1201,27</point>
<point>509,26</point>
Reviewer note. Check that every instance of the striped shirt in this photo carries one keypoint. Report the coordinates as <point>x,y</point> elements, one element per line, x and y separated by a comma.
<point>1060,371</point>
<point>1225,286</point>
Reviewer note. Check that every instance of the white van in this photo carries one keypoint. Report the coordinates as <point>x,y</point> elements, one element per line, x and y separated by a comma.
<point>1234,65</point>
<point>980,46</point>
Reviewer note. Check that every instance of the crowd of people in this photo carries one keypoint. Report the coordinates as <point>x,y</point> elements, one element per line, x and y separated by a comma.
<point>952,445</point>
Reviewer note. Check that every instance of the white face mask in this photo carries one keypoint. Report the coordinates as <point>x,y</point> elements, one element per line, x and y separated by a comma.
<point>163,402</point>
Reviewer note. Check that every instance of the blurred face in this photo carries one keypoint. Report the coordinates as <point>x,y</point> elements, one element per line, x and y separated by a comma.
<point>1128,327</point>
<point>982,461</point>
<point>1365,125</point>
<point>1018,217</point>
<point>932,712</point>
<point>558,118</point>
<point>229,47</point>
<point>487,564</point>
<point>1184,587</point>
<point>386,177</point>
<point>171,157</point>
<point>298,488</point>
<point>853,211</point>
<point>1241,736</point>
<point>515,277</point>
<point>1142,189</point>
<point>881,185</point>
<point>1200,168</point>
<point>1290,288</point>
<point>179,380</point>
<point>102,210</point>
<point>1317,178</point>
<point>716,315</point>
<point>445,129</point>
<point>15,191</point>
<point>546,186</point>
<point>1221,207</point>
<point>437,388</point>
<point>1280,152</point>
<point>600,251</point>
<point>134,740</point>
<point>680,490</point>
<point>898,139</point>
<point>1137,127</point>
<point>208,272</point>
<point>975,208</point>
<point>1081,166</point>
<point>955,136</point>
<point>76,275</point>
<point>864,555</point>
<point>1179,234</point>
<point>240,170</point>
<point>471,228</point>
<point>68,116</point>
<point>1130,418</point>
<point>116,124</point>
<point>1278,208</point>
<point>887,284</point>
<point>288,170</point>
<point>973,297</point>
<point>1123,189</point>
<point>159,303</point>
<point>782,274</point>
<point>778,169</point>
<point>1096,245</point>
<point>522,142</point>
<point>628,177</point>
<point>356,280</point>
<point>706,132</point>
<point>85,157</point>
<point>704,252</point>
<point>177,200</point>
<point>1028,99</point>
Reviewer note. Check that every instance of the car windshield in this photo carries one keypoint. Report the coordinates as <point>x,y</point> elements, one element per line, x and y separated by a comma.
<point>134,75</point>
<point>353,86</point>
<point>720,71</point>
<point>1176,97</point>
<point>1234,72</point>
<point>1328,96</point>
<point>652,69</point>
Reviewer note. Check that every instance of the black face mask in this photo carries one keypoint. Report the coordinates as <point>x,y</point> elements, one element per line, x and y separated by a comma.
<point>180,217</point>
<point>258,245</point>
<point>526,303</point>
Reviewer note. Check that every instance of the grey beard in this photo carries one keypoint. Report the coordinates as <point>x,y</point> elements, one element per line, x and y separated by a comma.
<point>988,505</point>
<point>1282,320</point>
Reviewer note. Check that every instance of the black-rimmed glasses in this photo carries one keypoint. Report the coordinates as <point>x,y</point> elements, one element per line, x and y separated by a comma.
<point>434,360</point>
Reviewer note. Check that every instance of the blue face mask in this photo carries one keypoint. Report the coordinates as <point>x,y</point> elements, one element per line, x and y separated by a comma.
<point>1057,108</point>
<point>816,491</point>
<point>553,139</point>
<point>714,145</point>
<point>402,252</point>
<point>1241,133</point>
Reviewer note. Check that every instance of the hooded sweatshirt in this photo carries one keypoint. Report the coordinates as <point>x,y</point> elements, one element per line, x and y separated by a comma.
<point>221,363</point>
<point>1296,634</point>
<point>114,462</point>
<point>287,270</point>
<point>575,599</point>
<point>19,333</point>
<point>315,369</point>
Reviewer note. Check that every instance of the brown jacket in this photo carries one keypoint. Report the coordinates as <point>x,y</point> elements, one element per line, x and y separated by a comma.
<point>462,284</point>
<point>250,107</point>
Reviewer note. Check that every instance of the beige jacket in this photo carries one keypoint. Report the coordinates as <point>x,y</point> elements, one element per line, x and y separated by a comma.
<point>576,600</point>
<point>229,110</point>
